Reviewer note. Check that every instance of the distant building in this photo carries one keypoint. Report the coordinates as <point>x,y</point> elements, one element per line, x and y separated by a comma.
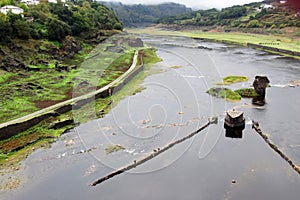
<point>30,2</point>
<point>55,1</point>
<point>266,6</point>
<point>13,9</point>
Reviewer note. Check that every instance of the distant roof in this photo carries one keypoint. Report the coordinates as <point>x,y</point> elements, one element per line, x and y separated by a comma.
<point>10,7</point>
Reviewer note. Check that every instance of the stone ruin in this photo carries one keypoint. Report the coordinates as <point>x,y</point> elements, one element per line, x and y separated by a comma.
<point>260,84</point>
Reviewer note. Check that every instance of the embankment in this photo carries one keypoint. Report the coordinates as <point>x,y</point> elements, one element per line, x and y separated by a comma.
<point>273,49</point>
<point>16,126</point>
<point>255,46</point>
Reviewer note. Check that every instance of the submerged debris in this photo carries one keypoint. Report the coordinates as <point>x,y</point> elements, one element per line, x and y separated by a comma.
<point>275,148</point>
<point>155,153</point>
<point>113,148</point>
<point>294,83</point>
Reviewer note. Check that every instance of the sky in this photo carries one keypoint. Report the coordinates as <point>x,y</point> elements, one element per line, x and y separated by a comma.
<point>192,3</point>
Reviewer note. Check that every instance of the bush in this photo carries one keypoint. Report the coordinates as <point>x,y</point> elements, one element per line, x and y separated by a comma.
<point>118,26</point>
<point>254,24</point>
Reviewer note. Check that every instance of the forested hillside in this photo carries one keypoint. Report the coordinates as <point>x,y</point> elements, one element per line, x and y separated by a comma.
<point>132,14</point>
<point>49,33</point>
<point>254,15</point>
<point>54,21</point>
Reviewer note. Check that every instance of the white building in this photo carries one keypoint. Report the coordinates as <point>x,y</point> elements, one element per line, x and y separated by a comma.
<point>266,6</point>
<point>55,1</point>
<point>30,2</point>
<point>13,9</point>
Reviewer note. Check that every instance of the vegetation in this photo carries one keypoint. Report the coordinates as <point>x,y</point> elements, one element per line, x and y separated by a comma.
<point>54,21</point>
<point>247,92</point>
<point>132,14</point>
<point>250,16</point>
<point>228,80</point>
<point>224,93</point>
<point>14,149</point>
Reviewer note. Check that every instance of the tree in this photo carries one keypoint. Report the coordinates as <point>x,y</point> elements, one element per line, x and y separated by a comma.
<point>57,30</point>
<point>22,29</point>
<point>198,16</point>
<point>254,24</point>
<point>5,28</point>
<point>118,26</point>
<point>7,2</point>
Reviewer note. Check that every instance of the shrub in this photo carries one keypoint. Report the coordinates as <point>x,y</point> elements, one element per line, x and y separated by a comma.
<point>254,24</point>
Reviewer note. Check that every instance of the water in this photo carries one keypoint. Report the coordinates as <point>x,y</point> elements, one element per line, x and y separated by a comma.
<point>174,104</point>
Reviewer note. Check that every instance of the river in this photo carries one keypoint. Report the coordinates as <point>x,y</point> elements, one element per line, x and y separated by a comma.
<point>173,104</point>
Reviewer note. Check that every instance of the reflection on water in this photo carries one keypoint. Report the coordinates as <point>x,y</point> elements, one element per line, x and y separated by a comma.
<point>234,132</point>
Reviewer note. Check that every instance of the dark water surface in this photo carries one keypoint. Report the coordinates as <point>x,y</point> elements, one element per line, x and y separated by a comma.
<point>174,104</point>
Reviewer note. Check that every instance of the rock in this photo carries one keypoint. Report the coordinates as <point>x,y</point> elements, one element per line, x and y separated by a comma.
<point>213,120</point>
<point>70,47</point>
<point>260,84</point>
<point>136,43</point>
<point>60,124</point>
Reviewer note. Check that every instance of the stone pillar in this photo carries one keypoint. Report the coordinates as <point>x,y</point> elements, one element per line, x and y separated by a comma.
<point>260,84</point>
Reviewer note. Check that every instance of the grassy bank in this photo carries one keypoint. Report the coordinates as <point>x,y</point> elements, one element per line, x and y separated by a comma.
<point>18,147</point>
<point>26,91</point>
<point>278,41</point>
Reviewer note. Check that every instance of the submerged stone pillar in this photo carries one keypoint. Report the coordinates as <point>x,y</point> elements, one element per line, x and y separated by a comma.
<point>260,84</point>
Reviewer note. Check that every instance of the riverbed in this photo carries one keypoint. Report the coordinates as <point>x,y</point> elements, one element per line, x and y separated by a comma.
<point>173,104</point>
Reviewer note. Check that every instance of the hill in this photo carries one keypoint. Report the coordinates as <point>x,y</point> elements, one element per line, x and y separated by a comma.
<point>48,33</point>
<point>253,17</point>
<point>137,14</point>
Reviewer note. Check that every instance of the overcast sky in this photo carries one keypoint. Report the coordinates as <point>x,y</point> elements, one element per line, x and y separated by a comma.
<point>192,3</point>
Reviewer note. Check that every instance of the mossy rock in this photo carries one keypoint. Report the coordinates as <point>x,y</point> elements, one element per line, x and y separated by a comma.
<point>228,80</point>
<point>247,92</point>
<point>225,93</point>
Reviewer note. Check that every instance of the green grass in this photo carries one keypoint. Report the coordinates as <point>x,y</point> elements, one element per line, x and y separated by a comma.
<point>228,80</point>
<point>246,92</point>
<point>16,148</point>
<point>224,93</point>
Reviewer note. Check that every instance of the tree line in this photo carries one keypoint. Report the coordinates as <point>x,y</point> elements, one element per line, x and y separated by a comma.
<point>54,21</point>
<point>138,13</point>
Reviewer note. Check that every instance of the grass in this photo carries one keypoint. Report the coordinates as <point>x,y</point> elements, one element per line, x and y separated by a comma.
<point>228,80</point>
<point>49,86</point>
<point>15,149</point>
<point>247,92</point>
<point>224,93</point>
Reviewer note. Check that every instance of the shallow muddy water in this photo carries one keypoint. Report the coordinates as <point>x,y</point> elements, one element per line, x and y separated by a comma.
<point>173,104</point>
